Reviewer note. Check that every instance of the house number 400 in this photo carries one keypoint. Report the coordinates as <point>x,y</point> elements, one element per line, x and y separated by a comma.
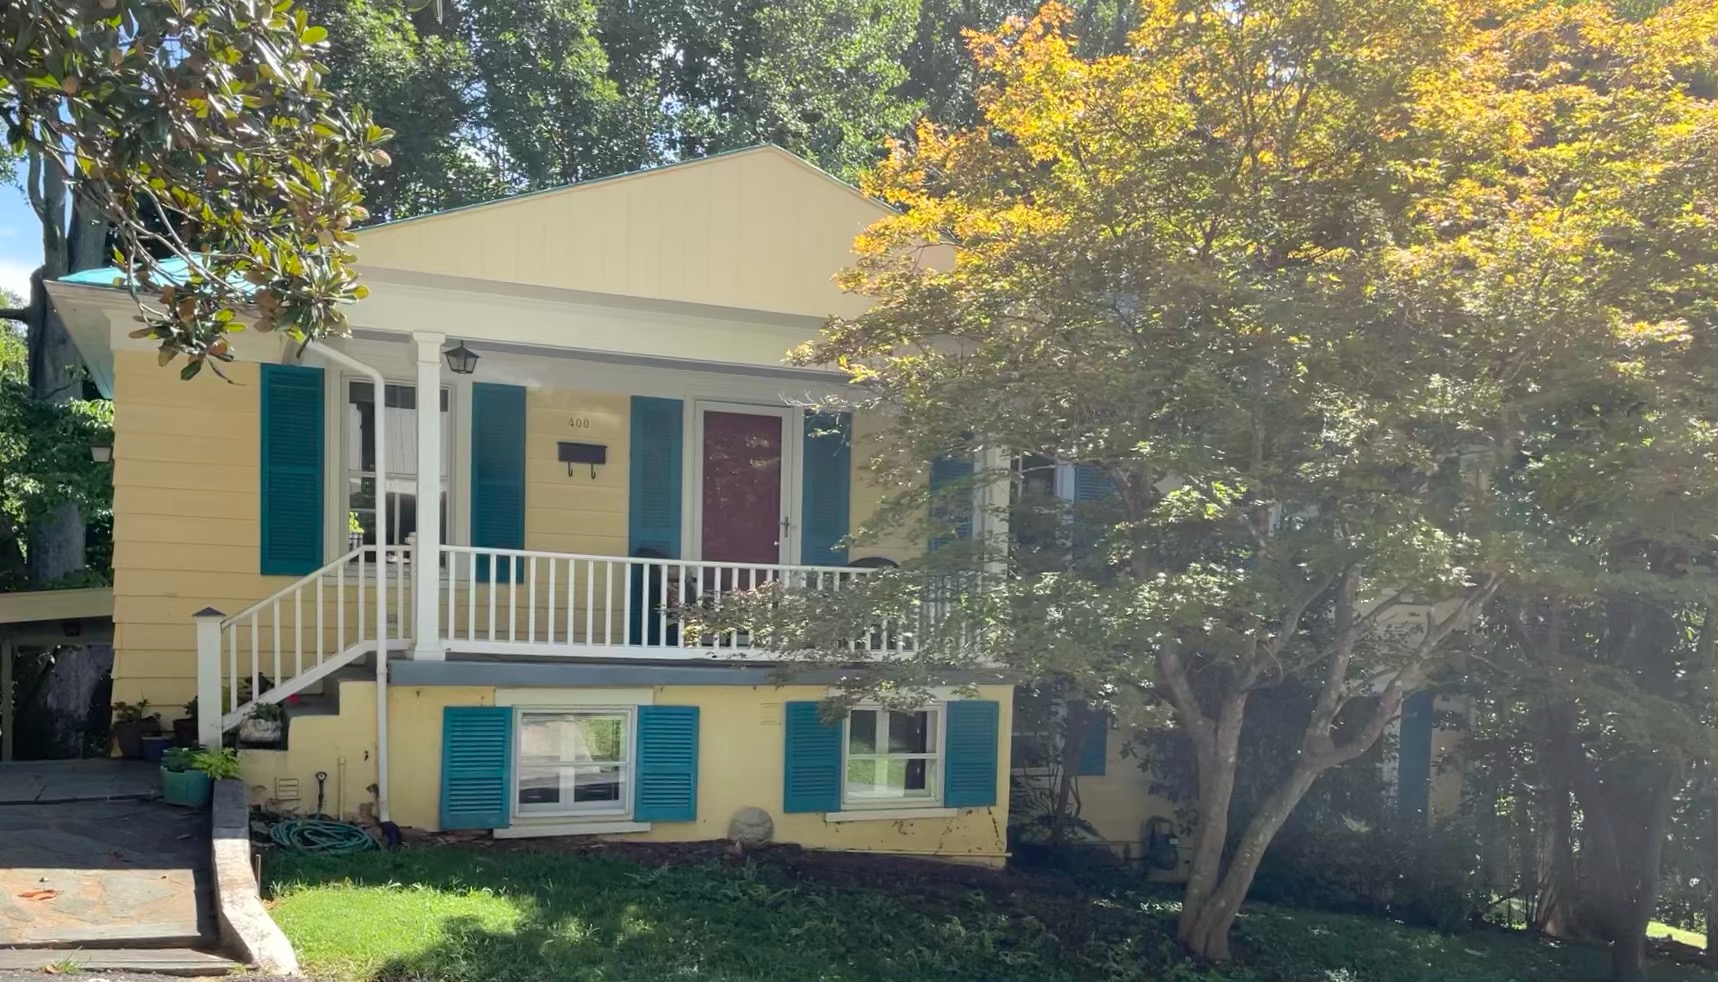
<point>580,422</point>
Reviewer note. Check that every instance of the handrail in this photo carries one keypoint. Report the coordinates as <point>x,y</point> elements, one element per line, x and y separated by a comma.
<point>294,585</point>
<point>648,561</point>
<point>307,630</point>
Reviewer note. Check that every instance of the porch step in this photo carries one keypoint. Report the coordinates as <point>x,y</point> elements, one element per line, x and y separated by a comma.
<point>159,961</point>
<point>324,700</point>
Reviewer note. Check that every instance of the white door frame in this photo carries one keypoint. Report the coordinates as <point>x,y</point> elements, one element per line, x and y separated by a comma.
<point>791,437</point>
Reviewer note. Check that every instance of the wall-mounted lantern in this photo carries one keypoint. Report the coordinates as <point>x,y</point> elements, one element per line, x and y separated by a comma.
<point>101,451</point>
<point>460,359</point>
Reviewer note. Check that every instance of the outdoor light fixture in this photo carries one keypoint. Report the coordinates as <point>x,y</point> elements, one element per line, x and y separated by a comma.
<point>101,451</point>
<point>462,360</point>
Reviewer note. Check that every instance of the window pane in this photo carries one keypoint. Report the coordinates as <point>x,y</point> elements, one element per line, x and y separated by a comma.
<point>886,778</point>
<point>597,783</point>
<point>910,733</point>
<point>402,453</point>
<point>539,785</point>
<point>601,738</point>
<point>862,732</point>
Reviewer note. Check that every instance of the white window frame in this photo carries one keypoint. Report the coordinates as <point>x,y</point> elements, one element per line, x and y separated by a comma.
<point>569,812</point>
<point>336,491</point>
<point>936,779</point>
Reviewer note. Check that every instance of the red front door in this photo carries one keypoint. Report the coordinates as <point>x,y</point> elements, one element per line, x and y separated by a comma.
<point>742,514</point>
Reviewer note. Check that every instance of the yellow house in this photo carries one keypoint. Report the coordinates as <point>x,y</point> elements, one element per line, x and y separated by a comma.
<point>508,532</point>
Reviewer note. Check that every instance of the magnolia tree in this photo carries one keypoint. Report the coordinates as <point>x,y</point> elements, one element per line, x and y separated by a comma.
<point>1286,284</point>
<point>199,139</point>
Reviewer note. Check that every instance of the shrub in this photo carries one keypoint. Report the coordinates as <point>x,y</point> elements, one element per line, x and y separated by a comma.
<point>1428,877</point>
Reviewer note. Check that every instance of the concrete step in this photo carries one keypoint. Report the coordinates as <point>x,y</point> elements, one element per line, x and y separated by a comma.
<point>160,961</point>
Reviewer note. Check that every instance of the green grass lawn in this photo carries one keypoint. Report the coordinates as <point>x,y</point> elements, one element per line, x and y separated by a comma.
<point>450,913</point>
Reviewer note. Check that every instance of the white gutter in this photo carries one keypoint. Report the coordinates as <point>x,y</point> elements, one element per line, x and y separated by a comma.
<point>377,419</point>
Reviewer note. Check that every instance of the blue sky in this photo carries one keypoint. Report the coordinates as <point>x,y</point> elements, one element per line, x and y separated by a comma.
<point>20,239</point>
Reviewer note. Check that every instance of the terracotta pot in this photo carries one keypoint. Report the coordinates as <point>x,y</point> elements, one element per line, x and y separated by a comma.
<point>128,735</point>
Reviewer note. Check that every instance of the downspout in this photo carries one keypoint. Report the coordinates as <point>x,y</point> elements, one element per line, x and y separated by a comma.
<point>381,414</point>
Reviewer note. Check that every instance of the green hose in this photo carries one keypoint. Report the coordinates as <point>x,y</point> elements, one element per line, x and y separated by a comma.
<point>320,835</point>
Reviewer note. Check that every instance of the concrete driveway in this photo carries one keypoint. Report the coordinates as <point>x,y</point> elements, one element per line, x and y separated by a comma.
<point>103,872</point>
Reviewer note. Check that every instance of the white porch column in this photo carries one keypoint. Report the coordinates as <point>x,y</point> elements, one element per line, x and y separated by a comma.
<point>991,504</point>
<point>210,709</point>
<point>426,563</point>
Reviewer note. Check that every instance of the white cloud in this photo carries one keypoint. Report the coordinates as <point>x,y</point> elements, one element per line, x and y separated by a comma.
<point>15,275</point>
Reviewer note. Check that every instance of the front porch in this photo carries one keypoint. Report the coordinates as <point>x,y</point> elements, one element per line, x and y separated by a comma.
<point>486,603</point>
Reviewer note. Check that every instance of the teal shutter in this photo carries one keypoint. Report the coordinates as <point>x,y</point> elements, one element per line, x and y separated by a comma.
<point>828,483</point>
<point>970,758</point>
<point>476,766</point>
<point>812,759</point>
<point>1414,758</point>
<point>667,764</point>
<point>1090,484</point>
<point>497,472</point>
<point>292,461</point>
<point>1094,750</point>
<point>653,486</point>
<point>948,506</point>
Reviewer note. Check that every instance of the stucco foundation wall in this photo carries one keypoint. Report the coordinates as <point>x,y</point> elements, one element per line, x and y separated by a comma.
<point>740,765</point>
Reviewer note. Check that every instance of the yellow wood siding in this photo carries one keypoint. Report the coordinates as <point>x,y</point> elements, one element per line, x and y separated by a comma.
<point>185,507</point>
<point>759,230</point>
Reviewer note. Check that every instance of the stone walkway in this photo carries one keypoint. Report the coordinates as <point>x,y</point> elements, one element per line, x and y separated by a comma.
<point>53,781</point>
<point>107,872</point>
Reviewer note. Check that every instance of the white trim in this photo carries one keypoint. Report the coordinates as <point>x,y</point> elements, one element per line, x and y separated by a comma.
<point>527,828</point>
<point>792,476</point>
<point>935,778</point>
<point>622,810</point>
<point>890,814</point>
<point>574,698</point>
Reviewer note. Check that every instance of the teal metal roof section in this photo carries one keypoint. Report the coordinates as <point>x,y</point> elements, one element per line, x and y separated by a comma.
<point>173,270</point>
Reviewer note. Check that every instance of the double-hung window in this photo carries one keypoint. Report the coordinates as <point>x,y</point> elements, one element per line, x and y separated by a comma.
<point>574,762</point>
<point>893,758</point>
<point>399,404</point>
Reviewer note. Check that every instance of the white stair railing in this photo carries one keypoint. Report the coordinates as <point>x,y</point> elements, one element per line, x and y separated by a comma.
<point>303,633</point>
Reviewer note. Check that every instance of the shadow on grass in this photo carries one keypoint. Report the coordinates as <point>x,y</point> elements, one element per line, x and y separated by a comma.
<point>559,916</point>
<point>458,914</point>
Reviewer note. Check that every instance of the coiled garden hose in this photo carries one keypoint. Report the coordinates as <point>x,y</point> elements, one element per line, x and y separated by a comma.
<point>324,836</point>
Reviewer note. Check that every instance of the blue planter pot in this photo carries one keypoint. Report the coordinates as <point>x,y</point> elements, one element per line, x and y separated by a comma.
<point>187,788</point>
<point>155,746</point>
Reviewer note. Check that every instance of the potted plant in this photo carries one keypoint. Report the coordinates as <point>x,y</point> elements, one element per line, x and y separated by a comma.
<point>131,723</point>
<point>263,727</point>
<point>354,531</point>
<point>185,727</point>
<point>181,782</point>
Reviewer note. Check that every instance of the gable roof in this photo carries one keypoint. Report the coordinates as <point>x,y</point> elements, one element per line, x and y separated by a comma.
<point>756,229</point>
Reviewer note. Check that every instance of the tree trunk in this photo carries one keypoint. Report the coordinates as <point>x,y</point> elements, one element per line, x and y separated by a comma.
<point>1213,918</point>
<point>1557,888</point>
<point>1216,774</point>
<point>57,541</point>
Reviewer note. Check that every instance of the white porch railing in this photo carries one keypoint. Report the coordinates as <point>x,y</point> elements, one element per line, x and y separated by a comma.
<point>491,601</point>
<point>304,632</point>
<point>516,601</point>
